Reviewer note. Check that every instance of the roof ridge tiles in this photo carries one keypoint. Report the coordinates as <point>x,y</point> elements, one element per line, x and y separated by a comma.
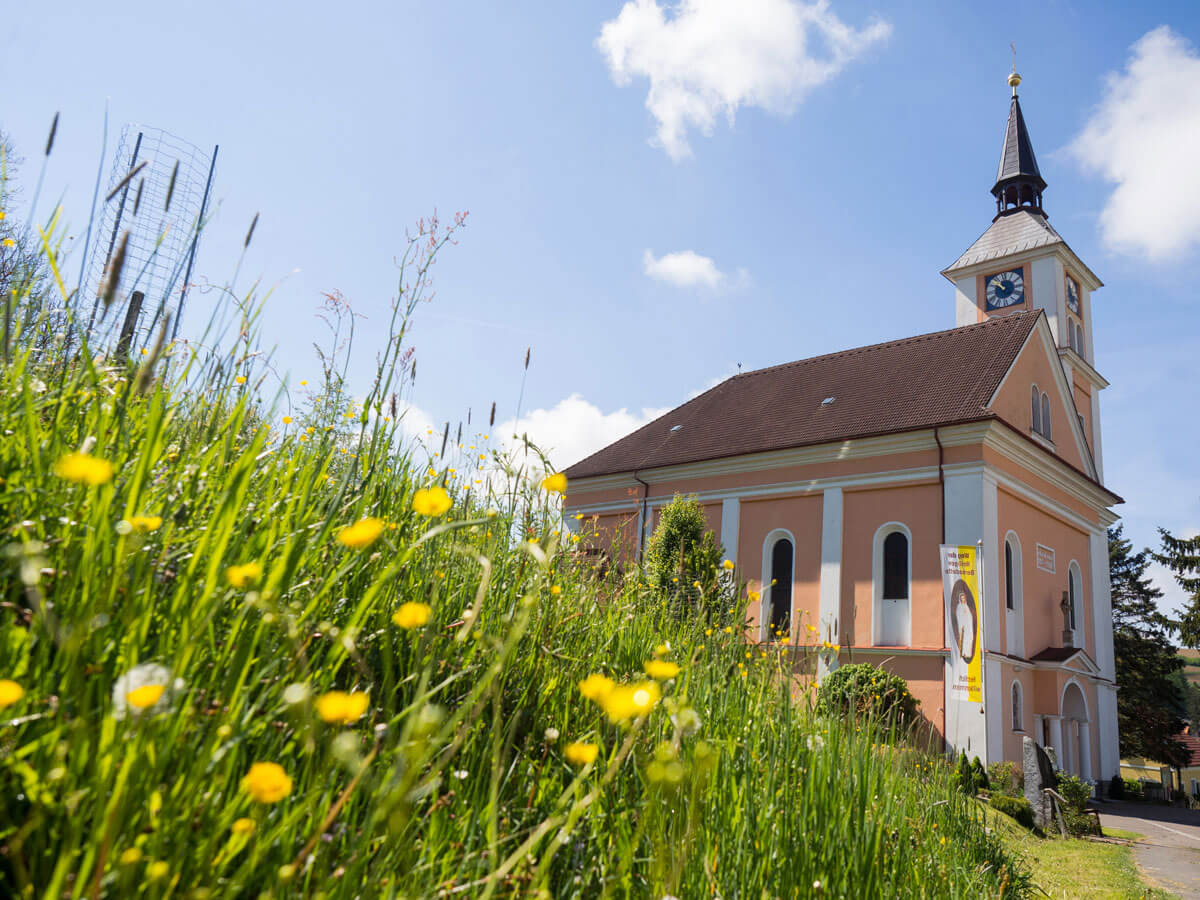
<point>993,322</point>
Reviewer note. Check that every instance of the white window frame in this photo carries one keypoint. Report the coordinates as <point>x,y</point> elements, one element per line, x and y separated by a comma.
<point>1014,619</point>
<point>1075,580</point>
<point>881,534</point>
<point>774,536</point>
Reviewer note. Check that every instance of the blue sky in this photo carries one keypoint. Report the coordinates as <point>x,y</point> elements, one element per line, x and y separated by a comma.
<point>848,159</point>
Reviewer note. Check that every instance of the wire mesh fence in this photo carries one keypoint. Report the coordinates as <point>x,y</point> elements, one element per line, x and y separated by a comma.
<point>161,207</point>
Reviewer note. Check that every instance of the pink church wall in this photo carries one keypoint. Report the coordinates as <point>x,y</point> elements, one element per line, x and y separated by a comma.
<point>1041,590</point>
<point>918,507</point>
<point>1013,404</point>
<point>802,517</point>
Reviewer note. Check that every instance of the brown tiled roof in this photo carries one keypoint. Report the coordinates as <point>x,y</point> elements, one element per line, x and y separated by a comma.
<point>1055,654</point>
<point>1192,744</point>
<point>933,379</point>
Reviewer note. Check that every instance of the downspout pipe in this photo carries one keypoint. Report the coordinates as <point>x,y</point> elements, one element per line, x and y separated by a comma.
<point>941,483</point>
<point>641,542</point>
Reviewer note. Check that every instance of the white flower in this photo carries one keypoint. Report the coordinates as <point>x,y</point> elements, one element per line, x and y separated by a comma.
<point>461,774</point>
<point>551,735</point>
<point>687,720</point>
<point>145,690</point>
<point>295,694</point>
<point>815,743</point>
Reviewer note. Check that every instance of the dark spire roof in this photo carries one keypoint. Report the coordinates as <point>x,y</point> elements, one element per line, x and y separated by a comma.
<point>1016,159</point>
<point>1019,184</point>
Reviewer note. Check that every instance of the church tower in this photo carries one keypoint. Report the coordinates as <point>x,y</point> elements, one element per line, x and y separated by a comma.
<point>1021,263</point>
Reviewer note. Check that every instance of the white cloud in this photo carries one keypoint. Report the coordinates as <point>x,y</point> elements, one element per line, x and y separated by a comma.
<point>574,428</point>
<point>711,56</point>
<point>686,268</point>
<point>1144,137</point>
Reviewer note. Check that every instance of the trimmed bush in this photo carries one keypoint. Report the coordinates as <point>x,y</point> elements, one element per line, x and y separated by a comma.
<point>1017,807</point>
<point>979,776</point>
<point>1006,777</point>
<point>683,559</point>
<point>1075,791</point>
<point>1133,789</point>
<point>864,689</point>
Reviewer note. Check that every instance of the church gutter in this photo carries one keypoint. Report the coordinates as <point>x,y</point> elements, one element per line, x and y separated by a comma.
<point>642,522</point>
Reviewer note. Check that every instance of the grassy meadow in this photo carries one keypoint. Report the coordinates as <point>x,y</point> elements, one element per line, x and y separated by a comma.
<point>254,643</point>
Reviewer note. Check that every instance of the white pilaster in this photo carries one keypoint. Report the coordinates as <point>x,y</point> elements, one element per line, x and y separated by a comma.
<point>831,571</point>
<point>1085,751</point>
<point>730,519</point>
<point>1049,292</point>
<point>966,306</point>
<point>970,511</point>
<point>1097,446</point>
<point>1106,727</point>
<point>1101,606</point>
<point>995,711</point>
<point>1056,740</point>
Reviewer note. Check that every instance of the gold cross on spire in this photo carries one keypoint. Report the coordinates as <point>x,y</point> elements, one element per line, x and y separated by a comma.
<point>1014,79</point>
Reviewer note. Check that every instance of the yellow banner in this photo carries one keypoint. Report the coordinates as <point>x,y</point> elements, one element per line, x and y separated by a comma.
<point>964,616</point>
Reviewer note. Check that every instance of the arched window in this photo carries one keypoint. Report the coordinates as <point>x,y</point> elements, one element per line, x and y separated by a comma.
<point>1014,607</point>
<point>1009,599</point>
<point>892,576</point>
<point>1074,595</point>
<point>1035,400</point>
<point>1016,707</point>
<point>1046,417</point>
<point>781,590</point>
<point>1071,336</point>
<point>1079,338</point>
<point>895,566</point>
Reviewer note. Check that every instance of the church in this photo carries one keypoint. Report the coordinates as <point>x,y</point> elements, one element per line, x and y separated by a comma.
<point>831,482</point>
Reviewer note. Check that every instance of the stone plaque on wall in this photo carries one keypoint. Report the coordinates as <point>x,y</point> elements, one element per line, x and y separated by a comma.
<point>1045,558</point>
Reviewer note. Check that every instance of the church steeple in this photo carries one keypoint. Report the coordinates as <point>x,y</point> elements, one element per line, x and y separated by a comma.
<point>1019,184</point>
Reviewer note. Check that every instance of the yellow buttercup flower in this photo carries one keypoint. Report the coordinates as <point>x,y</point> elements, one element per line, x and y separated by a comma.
<point>144,524</point>
<point>157,870</point>
<point>362,533</point>
<point>596,687</point>
<point>412,615</point>
<point>8,242</point>
<point>267,782</point>
<point>303,384</point>
<point>131,857</point>
<point>556,483</point>
<point>432,501</point>
<point>83,468</point>
<point>581,754</point>
<point>145,696</point>
<point>10,692</point>
<point>287,420</point>
<point>660,669</point>
<point>245,575</point>
<point>626,701</point>
<point>241,379</point>
<point>242,826</point>
<point>728,565</point>
<point>555,590</point>
<point>341,708</point>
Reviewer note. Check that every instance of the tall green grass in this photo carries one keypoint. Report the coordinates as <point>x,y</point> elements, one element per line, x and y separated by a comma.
<point>455,781</point>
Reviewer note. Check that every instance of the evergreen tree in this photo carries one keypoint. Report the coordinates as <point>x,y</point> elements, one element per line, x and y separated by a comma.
<point>683,558</point>
<point>1148,701</point>
<point>1182,557</point>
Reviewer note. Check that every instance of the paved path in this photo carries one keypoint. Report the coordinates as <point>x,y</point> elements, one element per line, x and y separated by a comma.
<point>1170,853</point>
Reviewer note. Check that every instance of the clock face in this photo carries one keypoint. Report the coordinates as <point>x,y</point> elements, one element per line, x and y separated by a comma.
<point>1005,289</point>
<point>1072,295</point>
